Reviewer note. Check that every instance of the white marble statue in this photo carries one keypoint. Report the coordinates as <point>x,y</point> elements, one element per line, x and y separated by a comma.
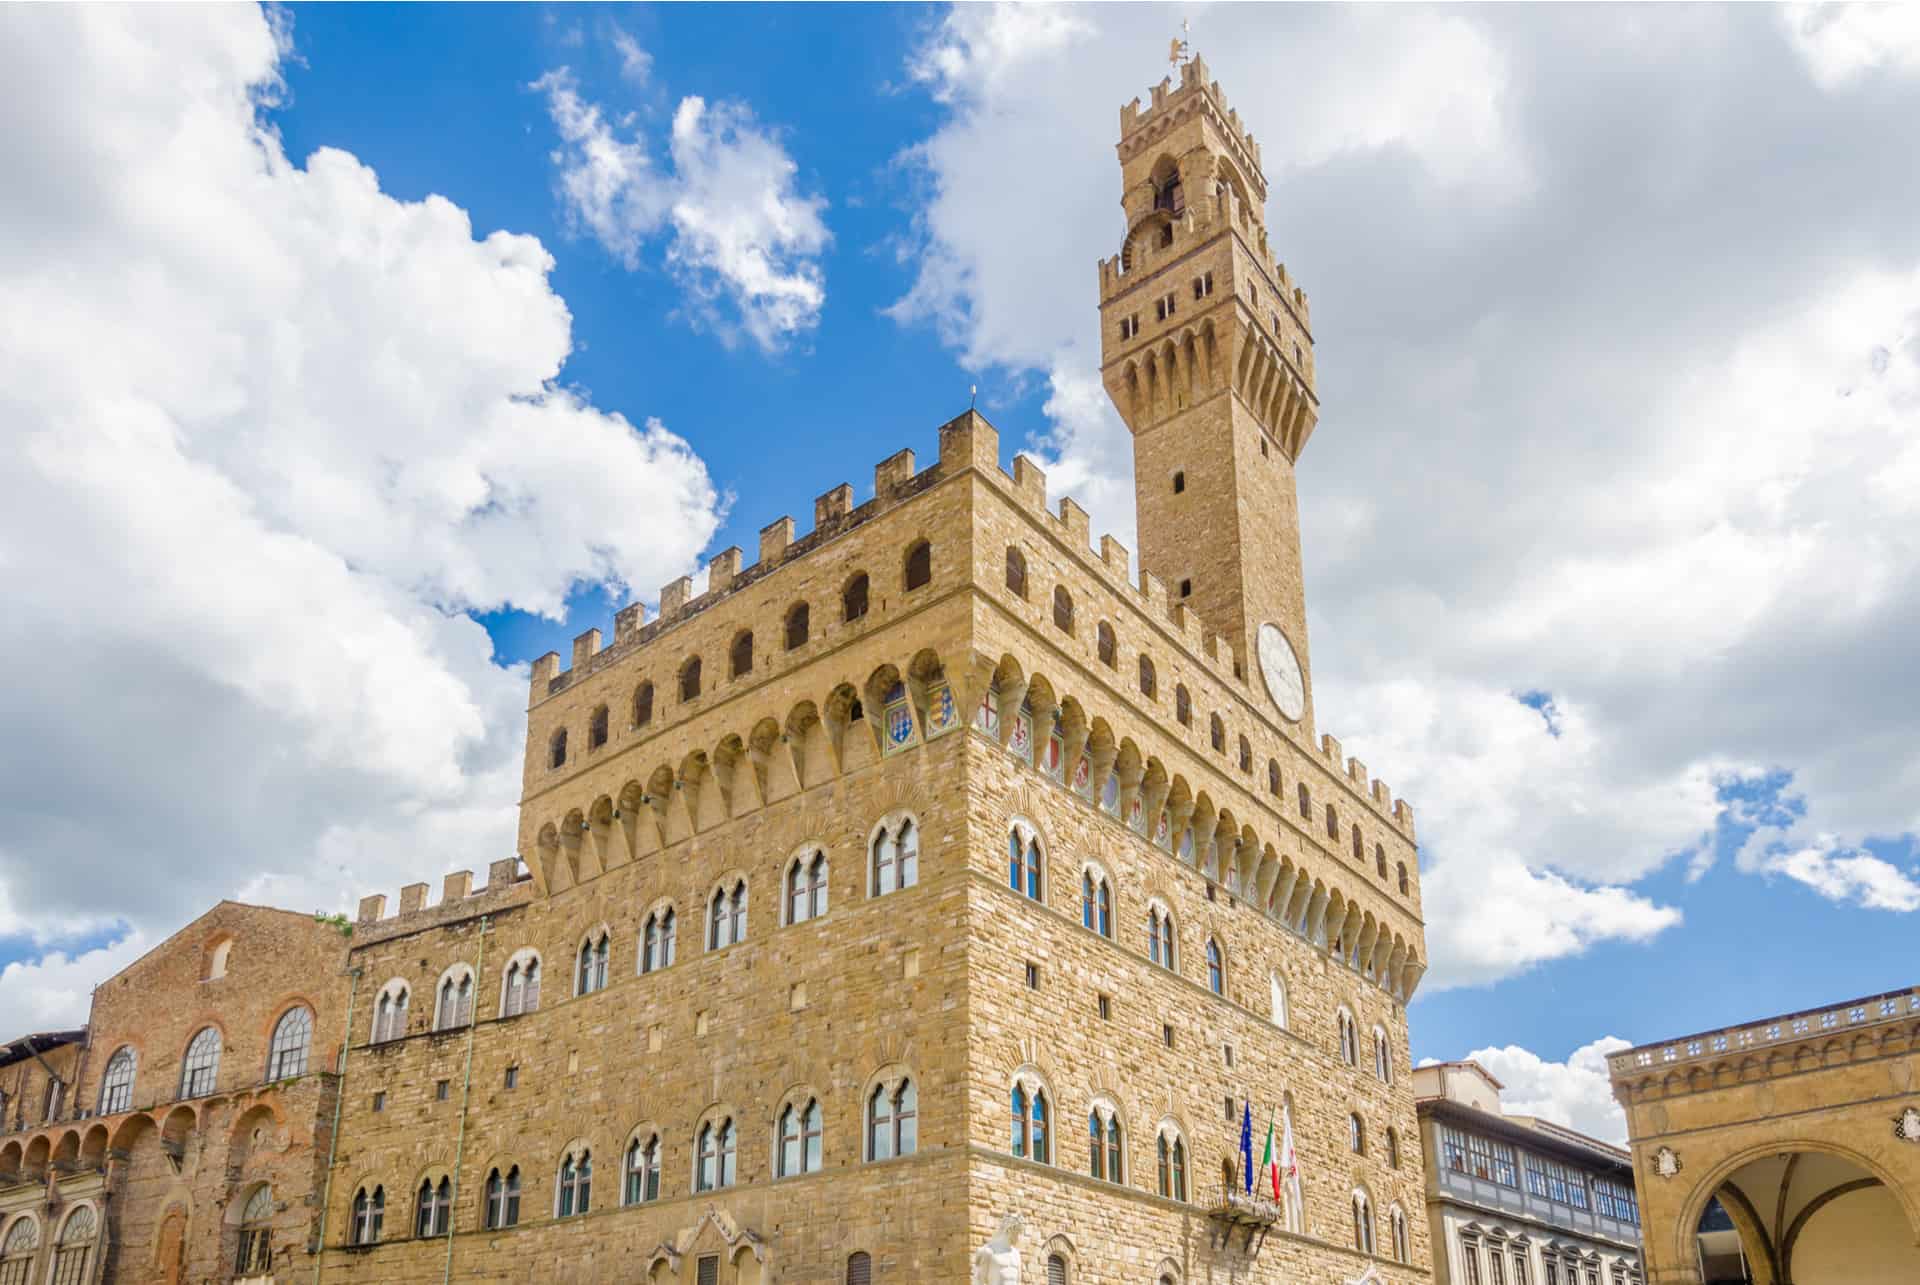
<point>998,1261</point>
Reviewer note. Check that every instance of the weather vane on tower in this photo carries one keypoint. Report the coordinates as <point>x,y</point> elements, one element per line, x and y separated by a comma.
<point>1179,48</point>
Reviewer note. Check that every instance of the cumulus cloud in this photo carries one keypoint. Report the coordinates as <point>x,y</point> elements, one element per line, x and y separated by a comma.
<point>270,434</point>
<point>1843,43</point>
<point>739,236</point>
<point>1574,1093</point>
<point>1614,492</point>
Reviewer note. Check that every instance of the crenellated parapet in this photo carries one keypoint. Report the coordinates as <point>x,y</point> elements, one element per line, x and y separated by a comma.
<point>506,886</point>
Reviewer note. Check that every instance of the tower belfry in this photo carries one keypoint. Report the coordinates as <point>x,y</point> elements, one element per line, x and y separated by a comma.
<point>1207,355</point>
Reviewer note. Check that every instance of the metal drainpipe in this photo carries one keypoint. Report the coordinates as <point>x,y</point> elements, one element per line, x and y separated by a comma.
<point>333,1140</point>
<point>466,1090</point>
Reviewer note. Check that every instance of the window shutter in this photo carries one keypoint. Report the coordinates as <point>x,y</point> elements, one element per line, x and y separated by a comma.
<point>709,1271</point>
<point>1056,1270</point>
<point>859,1269</point>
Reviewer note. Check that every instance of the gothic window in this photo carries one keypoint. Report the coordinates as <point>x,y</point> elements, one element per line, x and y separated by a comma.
<point>1056,1270</point>
<point>503,1198</point>
<point>642,1170</point>
<point>1356,1135</point>
<point>1106,644</point>
<point>1333,823</point>
<point>1147,684</point>
<point>1277,997</point>
<point>859,1268</point>
<point>1016,572</point>
<point>690,678</point>
<point>1362,1223</point>
<point>800,1138</point>
<point>1103,1147</point>
<point>1273,777</point>
<point>1382,1057</point>
<point>896,857</point>
<point>1096,902</point>
<point>892,1121</point>
<point>1216,968</point>
<point>741,654</point>
<point>455,1007</point>
<point>1360,848</point>
<point>116,1085</point>
<point>1402,1254</point>
<point>1306,803</point>
<point>597,728</point>
<point>1173,1165</point>
<point>796,625</point>
<point>390,1013</point>
<point>253,1256</point>
<point>1029,1123</point>
<point>591,974</point>
<point>433,1208</point>
<point>643,705</point>
<point>369,1212</point>
<point>1217,733</point>
<point>1403,878</point>
<point>1246,755</point>
<point>1393,1147</point>
<point>656,943</point>
<point>1062,609</point>
<point>807,887</point>
<point>727,916</point>
<point>919,564</point>
<point>287,1052</point>
<point>557,749</point>
<point>520,990</point>
<point>1160,947</point>
<point>1182,705</point>
<point>1349,1039</point>
<point>1379,858</point>
<point>202,1066</point>
<point>575,1187</point>
<point>1023,862</point>
<point>853,599</point>
<point>715,1148</point>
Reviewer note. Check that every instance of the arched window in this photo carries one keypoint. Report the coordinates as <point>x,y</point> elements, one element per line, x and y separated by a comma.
<point>1333,823</point>
<point>1030,1123</point>
<point>1349,1039</point>
<point>503,1198</point>
<point>1362,1223</point>
<point>369,1212</point>
<point>690,678</point>
<point>253,1256</point>
<point>1172,1152</point>
<point>643,705</point>
<point>893,1121</point>
<point>292,1037</point>
<point>1217,733</point>
<point>17,1253</point>
<point>796,625</point>
<point>202,1065</point>
<point>1103,1146</point>
<point>1277,997</point>
<point>574,1193</point>
<point>727,916</point>
<point>800,1138</point>
<point>116,1084</point>
<point>1105,644</point>
<point>1246,755</point>
<point>1403,878</point>
<point>1360,849</point>
<point>433,1207</point>
<point>1182,705</point>
<point>1306,803</point>
<point>656,942</point>
<point>455,1007</point>
<point>919,564</point>
<point>1382,1057</point>
<point>1023,862</point>
<point>740,655</point>
<point>1380,860</point>
<point>896,857</point>
<point>597,728</point>
<point>1096,902</point>
<point>716,1148</point>
<point>1393,1147</point>
<point>1062,609</point>
<point>1160,947</point>
<point>1148,682</point>
<point>74,1255</point>
<point>390,1013</point>
<point>642,1171</point>
<point>853,599</point>
<point>859,1268</point>
<point>1056,1270</point>
<point>1016,572</point>
<point>1402,1254</point>
<point>1216,968</point>
<point>1179,483</point>
<point>807,887</point>
<point>520,992</point>
<point>557,749</point>
<point>1273,777</point>
<point>1356,1134</point>
<point>590,974</point>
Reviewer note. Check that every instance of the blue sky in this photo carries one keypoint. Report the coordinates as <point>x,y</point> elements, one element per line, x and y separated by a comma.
<point>1608,520</point>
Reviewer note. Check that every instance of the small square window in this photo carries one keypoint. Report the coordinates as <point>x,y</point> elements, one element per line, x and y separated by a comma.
<point>1033,976</point>
<point>1106,1008</point>
<point>1166,1033</point>
<point>440,1090</point>
<point>513,1077</point>
<point>1229,1108</point>
<point>1186,588</point>
<point>380,1101</point>
<point>1228,1050</point>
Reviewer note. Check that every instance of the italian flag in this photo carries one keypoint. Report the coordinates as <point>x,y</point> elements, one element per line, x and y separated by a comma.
<point>1268,1162</point>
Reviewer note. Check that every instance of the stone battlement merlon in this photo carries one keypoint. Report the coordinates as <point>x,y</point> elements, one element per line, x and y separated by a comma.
<point>459,899</point>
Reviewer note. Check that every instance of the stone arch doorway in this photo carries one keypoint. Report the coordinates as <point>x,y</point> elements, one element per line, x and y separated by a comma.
<point>1804,1217</point>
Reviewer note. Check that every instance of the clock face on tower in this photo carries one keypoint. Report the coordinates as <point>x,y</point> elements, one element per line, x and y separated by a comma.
<point>1281,668</point>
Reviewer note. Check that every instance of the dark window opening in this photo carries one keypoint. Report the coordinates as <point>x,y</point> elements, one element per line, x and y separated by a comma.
<point>1179,482</point>
<point>854,598</point>
<point>797,626</point>
<point>919,565</point>
<point>742,655</point>
<point>690,679</point>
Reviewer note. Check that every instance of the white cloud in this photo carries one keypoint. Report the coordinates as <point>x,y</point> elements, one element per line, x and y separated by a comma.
<point>1844,42</point>
<point>1841,874</point>
<point>1612,409</point>
<point>52,992</point>
<point>269,434</point>
<point>741,238</point>
<point>636,64</point>
<point>1574,1093</point>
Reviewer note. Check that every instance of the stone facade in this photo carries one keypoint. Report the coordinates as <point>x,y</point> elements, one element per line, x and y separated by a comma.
<point>1516,1200</point>
<point>1798,1135</point>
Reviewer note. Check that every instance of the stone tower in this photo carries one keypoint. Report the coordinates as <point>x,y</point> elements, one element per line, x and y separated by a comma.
<point>1207,355</point>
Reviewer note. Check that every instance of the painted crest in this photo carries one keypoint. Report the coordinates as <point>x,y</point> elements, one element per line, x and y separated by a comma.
<point>987,717</point>
<point>941,713</point>
<point>1906,1125</point>
<point>1020,744</point>
<point>1666,1162</point>
<point>899,725</point>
